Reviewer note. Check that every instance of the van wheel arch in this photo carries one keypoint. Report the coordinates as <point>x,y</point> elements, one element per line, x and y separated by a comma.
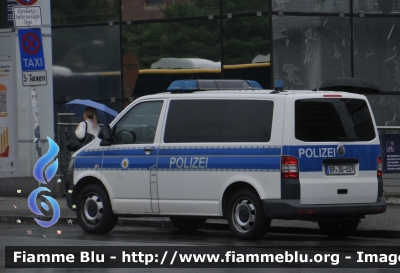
<point>230,191</point>
<point>84,182</point>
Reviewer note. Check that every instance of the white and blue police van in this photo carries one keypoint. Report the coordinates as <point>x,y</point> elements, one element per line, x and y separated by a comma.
<point>228,149</point>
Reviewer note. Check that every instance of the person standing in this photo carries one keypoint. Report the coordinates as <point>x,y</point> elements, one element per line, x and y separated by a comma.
<point>93,128</point>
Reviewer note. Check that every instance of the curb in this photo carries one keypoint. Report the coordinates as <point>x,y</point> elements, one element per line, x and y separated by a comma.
<point>165,224</point>
<point>392,198</point>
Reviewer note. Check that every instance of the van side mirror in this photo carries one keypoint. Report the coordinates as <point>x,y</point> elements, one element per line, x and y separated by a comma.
<point>105,133</point>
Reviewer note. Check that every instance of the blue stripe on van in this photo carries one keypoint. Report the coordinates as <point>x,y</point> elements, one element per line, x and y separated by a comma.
<point>311,157</point>
<point>222,158</point>
<point>200,158</point>
<point>87,162</point>
<point>220,163</point>
<point>136,162</point>
<point>88,159</point>
<point>90,153</point>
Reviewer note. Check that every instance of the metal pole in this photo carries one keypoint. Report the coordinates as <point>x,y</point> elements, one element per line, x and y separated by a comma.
<point>36,127</point>
<point>36,133</point>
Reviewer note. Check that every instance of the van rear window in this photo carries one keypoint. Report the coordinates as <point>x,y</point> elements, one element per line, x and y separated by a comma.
<point>219,121</point>
<point>320,120</point>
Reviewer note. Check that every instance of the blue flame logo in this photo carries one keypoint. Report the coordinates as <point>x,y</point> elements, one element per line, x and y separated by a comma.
<point>49,173</point>
<point>32,205</point>
<point>44,160</point>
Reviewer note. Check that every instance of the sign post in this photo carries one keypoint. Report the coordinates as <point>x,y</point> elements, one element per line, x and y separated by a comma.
<point>32,57</point>
<point>32,66</point>
<point>36,128</point>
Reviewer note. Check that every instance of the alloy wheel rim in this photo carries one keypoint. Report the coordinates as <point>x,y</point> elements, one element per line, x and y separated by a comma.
<point>93,209</point>
<point>244,215</point>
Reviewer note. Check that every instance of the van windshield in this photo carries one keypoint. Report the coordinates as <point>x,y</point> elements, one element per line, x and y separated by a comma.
<point>333,119</point>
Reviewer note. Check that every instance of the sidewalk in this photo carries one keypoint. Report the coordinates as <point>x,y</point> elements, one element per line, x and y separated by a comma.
<point>385,225</point>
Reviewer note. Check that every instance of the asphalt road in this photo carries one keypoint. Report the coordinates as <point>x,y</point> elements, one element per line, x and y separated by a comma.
<point>71,235</point>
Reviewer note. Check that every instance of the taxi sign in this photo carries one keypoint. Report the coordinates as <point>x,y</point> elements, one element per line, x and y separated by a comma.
<point>34,78</point>
<point>31,49</point>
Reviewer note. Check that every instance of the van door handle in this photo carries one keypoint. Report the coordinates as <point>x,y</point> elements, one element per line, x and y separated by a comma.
<point>148,150</point>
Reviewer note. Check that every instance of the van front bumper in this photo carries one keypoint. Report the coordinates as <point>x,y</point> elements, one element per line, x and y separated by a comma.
<point>292,209</point>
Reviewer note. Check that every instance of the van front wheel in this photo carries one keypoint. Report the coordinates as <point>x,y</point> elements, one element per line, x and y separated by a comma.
<point>339,230</point>
<point>94,210</point>
<point>246,218</point>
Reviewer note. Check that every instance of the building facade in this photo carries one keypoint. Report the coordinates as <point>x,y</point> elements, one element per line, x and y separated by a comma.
<point>113,51</point>
<point>302,42</point>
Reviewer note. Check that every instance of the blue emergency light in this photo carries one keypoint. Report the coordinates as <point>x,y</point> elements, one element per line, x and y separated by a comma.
<point>278,85</point>
<point>186,86</point>
<point>255,85</point>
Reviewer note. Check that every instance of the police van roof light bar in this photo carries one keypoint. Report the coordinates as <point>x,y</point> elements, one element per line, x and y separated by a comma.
<point>186,86</point>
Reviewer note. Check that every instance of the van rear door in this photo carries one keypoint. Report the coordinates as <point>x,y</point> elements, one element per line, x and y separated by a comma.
<point>336,143</point>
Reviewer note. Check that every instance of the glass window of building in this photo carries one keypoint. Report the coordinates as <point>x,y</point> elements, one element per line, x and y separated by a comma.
<point>246,46</point>
<point>88,11</point>
<point>377,6</point>
<point>386,109</point>
<point>240,6</point>
<point>160,53</point>
<point>86,63</point>
<point>312,5</point>
<point>310,50</point>
<point>377,51</point>
<point>164,9</point>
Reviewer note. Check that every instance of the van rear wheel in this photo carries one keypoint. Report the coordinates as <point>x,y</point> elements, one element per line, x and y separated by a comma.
<point>246,218</point>
<point>187,224</point>
<point>339,230</point>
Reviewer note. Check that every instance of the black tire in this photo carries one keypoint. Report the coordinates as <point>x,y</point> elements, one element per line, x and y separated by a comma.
<point>246,218</point>
<point>94,210</point>
<point>187,224</point>
<point>339,230</point>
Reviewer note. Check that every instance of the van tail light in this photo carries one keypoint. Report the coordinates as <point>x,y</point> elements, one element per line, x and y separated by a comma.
<point>379,166</point>
<point>289,167</point>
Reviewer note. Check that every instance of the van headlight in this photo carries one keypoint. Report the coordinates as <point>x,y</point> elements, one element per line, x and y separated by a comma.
<point>71,164</point>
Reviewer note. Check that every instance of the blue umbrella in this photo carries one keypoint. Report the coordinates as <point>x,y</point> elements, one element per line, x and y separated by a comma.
<point>104,114</point>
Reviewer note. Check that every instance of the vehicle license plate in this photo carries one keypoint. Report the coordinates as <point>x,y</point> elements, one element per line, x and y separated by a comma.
<point>337,169</point>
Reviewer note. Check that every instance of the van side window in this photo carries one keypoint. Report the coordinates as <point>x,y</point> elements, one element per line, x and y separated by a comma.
<point>139,125</point>
<point>219,121</point>
<point>320,120</point>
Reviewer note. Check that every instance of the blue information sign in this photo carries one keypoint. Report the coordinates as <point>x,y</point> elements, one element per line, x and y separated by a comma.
<point>31,49</point>
<point>391,153</point>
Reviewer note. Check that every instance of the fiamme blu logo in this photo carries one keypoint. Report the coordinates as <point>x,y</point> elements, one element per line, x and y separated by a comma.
<point>48,166</point>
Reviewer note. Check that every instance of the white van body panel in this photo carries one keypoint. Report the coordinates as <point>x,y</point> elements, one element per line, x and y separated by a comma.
<point>317,187</point>
<point>362,188</point>
<point>192,179</point>
<point>203,190</point>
